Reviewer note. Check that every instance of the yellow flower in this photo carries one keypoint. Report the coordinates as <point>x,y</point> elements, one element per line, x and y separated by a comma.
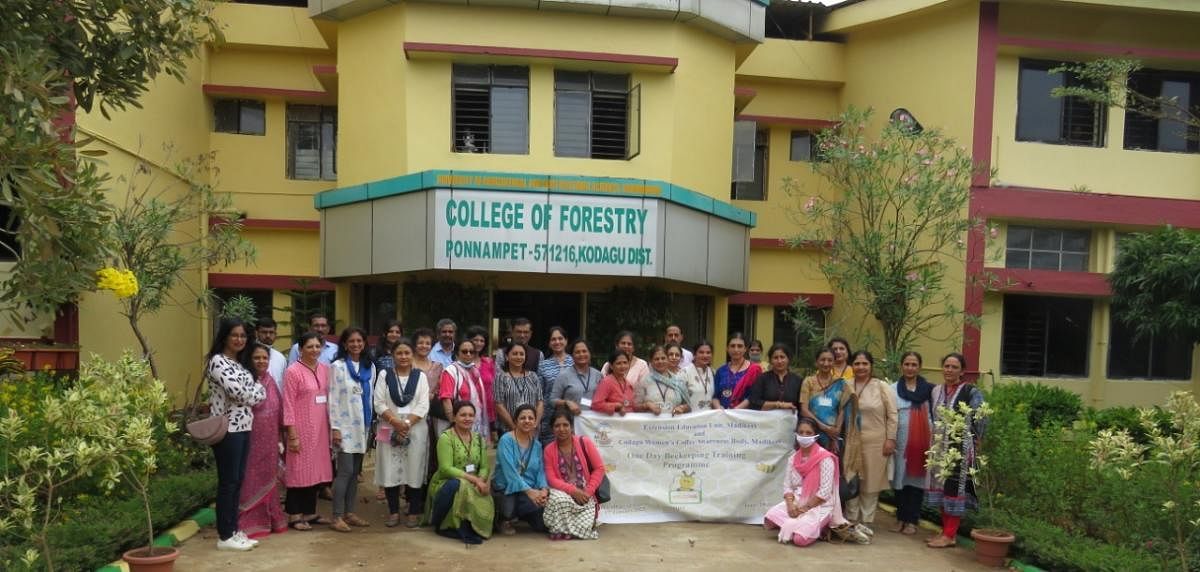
<point>122,283</point>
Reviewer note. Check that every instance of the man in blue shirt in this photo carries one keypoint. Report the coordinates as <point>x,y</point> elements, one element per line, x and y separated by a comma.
<point>443,351</point>
<point>320,324</point>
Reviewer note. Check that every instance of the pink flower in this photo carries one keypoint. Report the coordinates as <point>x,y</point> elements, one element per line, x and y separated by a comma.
<point>810,204</point>
<point>994,232</point>
<point>911,276</point>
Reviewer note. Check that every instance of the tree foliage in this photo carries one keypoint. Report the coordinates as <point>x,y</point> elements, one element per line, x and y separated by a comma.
<point>894,217</point>
<point>1106,81</point>
<point>55,56</point>
<point>151,240</point>
<point>1156,283</point>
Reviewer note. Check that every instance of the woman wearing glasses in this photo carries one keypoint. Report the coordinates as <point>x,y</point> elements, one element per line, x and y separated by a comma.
<point>462,381</point>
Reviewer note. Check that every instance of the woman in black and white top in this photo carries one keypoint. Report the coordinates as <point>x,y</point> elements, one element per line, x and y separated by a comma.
<point>232,390</point>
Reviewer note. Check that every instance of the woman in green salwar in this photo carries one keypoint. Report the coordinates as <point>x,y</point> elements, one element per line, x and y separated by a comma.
<point>461,504</point>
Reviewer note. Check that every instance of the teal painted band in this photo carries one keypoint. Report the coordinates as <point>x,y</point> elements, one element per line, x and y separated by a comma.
<point>109,568</point>
<point>534,183</point>
<point>1023,567</point>
<point>167,539</point>
<point>205,517</point>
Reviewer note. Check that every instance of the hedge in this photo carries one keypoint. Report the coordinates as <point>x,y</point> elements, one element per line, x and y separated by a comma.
<point>1051,548</point>
<point>99,529</point>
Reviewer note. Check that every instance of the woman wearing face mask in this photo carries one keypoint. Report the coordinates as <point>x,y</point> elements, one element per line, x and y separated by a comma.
<point>638,368</point>
<point>734,378</point>
<point>913,433</point>
<point>810,494</point>
<point>661,392</point>
<point>778,388</point>
<point>699,377</point>
<point>462,381</point>
<point>754,353</point>
<point>877,434</point>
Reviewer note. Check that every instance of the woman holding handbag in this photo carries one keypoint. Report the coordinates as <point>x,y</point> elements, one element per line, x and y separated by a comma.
<point>401,399</point>
<point>232,392</point>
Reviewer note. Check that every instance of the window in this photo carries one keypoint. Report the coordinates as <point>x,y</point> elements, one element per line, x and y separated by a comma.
<point>1047,249</point>
<point>1044,336</point>
<point>312,142</point>
<point>263,299</point>
<point>379,306</point>
<point>241,116</point>
<point>1179,91</point>
<point>1147,358</point>
<point>596,115</point>
<point>785,330</point>
<point>491,109</point>
<point>750,166</point>
<point>741,319</point>
<point>1047,119</point>
<point>804,146</point>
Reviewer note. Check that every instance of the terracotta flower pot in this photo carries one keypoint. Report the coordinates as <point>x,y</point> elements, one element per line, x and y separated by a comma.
<point>991,546</point>
<point>155,559</point>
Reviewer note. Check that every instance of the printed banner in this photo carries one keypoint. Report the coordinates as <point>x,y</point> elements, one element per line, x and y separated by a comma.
<point>536,232</point>
<point>715,466</point>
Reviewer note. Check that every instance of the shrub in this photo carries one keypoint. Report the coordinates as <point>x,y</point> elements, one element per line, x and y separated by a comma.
<point>1052,548</point>
<point>1044,405</point>
<point>96,530</point>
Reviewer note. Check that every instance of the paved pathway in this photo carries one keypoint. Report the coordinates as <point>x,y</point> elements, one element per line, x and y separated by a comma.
<point>675,546</point>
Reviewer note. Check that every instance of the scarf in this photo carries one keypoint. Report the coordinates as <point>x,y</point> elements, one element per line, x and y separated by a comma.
<point>672,382</point>
<point>475,394</point>
<point>919,435</point>
<point>810,470</point>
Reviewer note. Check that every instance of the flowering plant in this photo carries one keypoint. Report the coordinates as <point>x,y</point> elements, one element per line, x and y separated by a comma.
<point>122,283</point>
<point>1175,451</point>
<point>952,428</point>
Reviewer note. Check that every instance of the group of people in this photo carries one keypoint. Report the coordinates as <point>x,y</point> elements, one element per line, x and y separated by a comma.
<point>433,404</point>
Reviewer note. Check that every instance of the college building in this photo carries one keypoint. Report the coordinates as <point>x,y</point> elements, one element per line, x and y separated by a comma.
<point>556,158</point>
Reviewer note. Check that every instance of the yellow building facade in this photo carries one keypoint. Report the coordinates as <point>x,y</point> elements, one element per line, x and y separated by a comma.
<point>539,155</point>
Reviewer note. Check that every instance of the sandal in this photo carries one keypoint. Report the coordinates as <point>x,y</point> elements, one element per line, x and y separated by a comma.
<point>392,521</point>
<point>413,521</point>
<point>354,520</point>
<point>341,526</point>
<point>909,529</point>
<point>898,527</point>
<point>299,525</point>
<point>318,519</point>
<point>941,542</point>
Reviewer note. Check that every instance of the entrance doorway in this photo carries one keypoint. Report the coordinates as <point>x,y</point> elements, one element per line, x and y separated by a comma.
<point>544,309</point>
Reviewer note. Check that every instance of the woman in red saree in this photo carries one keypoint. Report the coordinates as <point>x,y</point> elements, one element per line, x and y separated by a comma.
<point>259,513</point>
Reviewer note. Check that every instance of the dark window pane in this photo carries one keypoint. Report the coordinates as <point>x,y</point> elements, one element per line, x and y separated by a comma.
<point>471,74</point>
<point>1044,336</point>
<point>571,80</point>
<point>1044,260</point>
<point>253,118</point>
<point>610,82</point>
<point>1016,259</point>
<point>1173,133</point>
<point>1039,116</point>
<point>1074,262</point>
<point>1047,239</point>
<point>1148,357</point>
<point>1172,359</point>
<point>511,76</point>
<point>1019,237</point>
<point>1075,240</point>
<point>225,116</point>
<point>801,146</point>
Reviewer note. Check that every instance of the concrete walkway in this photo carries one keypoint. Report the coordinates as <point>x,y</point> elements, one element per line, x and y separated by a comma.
<point>679,546</point>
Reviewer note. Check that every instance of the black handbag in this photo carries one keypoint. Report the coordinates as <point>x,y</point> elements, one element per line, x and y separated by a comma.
<point>848,489</point>
<point>604,491</point>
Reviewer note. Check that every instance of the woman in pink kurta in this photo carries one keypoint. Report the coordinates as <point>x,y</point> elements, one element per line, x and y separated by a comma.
<point>810,492</point>
<point>306,419</point>
<point>259,513</point>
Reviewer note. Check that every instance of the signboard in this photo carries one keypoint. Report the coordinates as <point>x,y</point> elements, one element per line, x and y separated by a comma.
<point>538,232</point>
<point>715,466</point>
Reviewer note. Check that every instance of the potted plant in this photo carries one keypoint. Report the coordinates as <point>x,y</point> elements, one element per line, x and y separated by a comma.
<point>945,458</point>
<point>148,558</point>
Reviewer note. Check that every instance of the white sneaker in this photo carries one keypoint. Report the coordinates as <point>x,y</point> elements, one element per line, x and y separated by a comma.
<point>234,543</point>
<point>245,538</point>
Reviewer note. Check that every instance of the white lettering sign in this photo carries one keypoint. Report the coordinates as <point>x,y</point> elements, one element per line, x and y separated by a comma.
<point>536,232</point>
